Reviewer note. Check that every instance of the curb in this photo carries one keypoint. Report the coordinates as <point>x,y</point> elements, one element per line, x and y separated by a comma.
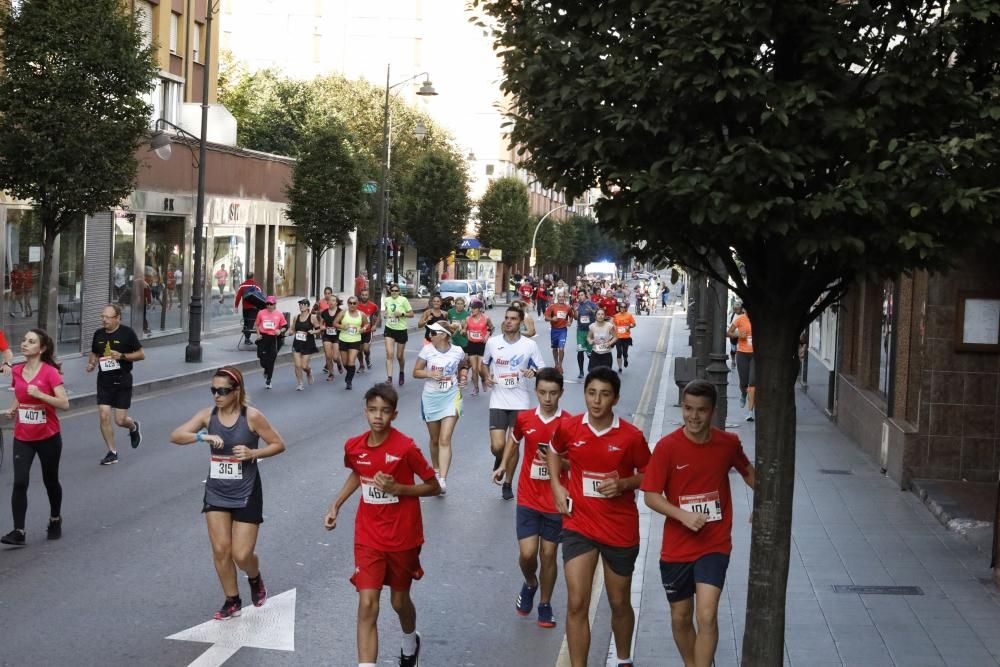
<point>979,533</point>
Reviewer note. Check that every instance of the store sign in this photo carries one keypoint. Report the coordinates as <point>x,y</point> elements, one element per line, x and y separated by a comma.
<point>496,254</point>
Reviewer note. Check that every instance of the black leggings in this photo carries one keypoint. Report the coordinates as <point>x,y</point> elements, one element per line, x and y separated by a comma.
<point>267,352</point>
<point>48,451</point>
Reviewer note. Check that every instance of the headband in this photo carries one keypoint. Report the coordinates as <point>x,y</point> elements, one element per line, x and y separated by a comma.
<point>232,375</point>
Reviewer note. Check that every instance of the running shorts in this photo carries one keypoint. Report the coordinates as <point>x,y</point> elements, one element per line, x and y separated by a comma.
<point>501,420</point>
<point>621,560</point>
<point>366,338</point>
<point>116,392</point>
<point>253,512</point>
<point>475,349</point>
<point>374,568</point>
<point>532,523</point>
<point>558,337</point>
<point>398,335</point>
<point>679,579</point>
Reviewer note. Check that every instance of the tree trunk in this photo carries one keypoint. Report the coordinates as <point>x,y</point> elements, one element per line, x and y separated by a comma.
<point>775,335</point>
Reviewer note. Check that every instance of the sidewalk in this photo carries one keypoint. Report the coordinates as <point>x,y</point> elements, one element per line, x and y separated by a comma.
<point>164,365</point>
<point>851,526</point>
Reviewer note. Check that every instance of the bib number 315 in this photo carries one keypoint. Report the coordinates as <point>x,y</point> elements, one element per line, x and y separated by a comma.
<point>225,467</point>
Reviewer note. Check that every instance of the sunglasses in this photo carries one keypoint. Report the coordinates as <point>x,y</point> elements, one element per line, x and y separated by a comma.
<point>221,391</point>
<point>270,305</point>
<point>352,303</point>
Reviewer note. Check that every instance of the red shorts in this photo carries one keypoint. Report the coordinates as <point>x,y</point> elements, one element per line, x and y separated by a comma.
<point>374,569</point>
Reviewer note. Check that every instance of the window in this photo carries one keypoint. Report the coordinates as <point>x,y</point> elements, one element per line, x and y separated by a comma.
<point>196,43</point>
<point>174,27</point>
<point>489,170</point>
<point>167,100</point>
<point>144,17</point>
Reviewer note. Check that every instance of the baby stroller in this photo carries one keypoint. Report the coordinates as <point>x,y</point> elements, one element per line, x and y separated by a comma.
<point>641,303</point>
<point>245,341</point>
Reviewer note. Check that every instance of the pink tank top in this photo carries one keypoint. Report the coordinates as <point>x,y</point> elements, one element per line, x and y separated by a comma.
<point>477,330</point>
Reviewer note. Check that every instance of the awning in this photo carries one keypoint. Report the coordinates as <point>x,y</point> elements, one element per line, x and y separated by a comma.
<point>468,243</point>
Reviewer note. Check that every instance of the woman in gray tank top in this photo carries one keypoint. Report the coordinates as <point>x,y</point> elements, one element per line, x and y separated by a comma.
<point>234,498</point>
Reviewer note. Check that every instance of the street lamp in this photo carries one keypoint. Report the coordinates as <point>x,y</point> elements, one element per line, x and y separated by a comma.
<point>159,143</point>
<point>531,258</point>
<point>426,90</point>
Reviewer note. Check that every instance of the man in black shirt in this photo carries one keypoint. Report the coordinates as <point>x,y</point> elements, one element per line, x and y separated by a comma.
<point>114,349</point>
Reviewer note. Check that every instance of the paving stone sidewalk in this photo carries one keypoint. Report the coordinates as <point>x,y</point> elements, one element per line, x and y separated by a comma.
<point>855,528</point>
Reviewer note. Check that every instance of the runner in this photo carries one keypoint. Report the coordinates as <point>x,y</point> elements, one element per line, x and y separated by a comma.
<point>370,309</point>
<point>526,291</point>
<point>541,298</point>
<point>396,309</point>
<point>331,340</point>
<point>528,323</point>
<point>606,458</point>
<point>457,315</point>
<point>688,482</point>
<point>38,393</point>
<point>271,327</point>
<point>741,330</point>
<point>559,315</point>
<point>602,339</point>
<point>537,516</point>
<point>443,364</point>
<point>433,314</point>
<point>234,498</point>
<point>113,350</point>
<point>585,313</point>
<point>351,323</point>
<point>734,338</point>
<point>220,280</point>
<point>507,360</point>
<point>388,530</point>
<point>306,325</point>
<point>624,323</point>
<point>477,328</point>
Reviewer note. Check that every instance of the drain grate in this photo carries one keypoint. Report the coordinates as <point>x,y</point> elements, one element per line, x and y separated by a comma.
<point>834,471</point>
<point>878,590</point>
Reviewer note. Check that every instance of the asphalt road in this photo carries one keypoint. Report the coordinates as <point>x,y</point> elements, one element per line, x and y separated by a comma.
<point>134,564</point>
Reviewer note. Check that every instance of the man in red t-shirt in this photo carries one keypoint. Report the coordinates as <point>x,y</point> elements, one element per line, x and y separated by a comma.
<point>370,309</point>
<point>526,291</point>
<point>559,315</point>
<point>537,516</point>
<point>606,458</point>
<point>688,481</point>
<point>388,530</point>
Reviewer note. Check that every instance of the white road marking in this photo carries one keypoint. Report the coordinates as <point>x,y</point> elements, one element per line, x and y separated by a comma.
<point>271,626</point>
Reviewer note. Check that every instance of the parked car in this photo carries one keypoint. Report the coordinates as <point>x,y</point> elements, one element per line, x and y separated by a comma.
<point>452,289</point>
<point>488,292</point>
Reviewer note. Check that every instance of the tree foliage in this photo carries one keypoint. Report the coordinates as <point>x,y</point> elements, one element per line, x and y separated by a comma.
<point>273,112</point>
<point>548,241</point>
<point>434,203</point>
<point>812,142</point>
<point>72,116</point>
<point>505,218</point>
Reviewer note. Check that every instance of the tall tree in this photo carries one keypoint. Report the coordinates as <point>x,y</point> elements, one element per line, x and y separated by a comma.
<point>325,199</point>
<point>434,204</point>
<point>813,142</point>
<point>72,115</point>
<point>548,242</point>
<point>505,219</point>
<point>273,112</point>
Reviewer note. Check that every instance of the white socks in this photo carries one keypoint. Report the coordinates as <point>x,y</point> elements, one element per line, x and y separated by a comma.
<point>409,643</point>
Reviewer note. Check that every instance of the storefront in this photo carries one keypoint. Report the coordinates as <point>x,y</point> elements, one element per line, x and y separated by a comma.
<point>473,262</point>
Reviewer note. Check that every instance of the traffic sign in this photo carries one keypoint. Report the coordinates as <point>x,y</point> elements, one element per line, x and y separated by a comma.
<point>369,187</point>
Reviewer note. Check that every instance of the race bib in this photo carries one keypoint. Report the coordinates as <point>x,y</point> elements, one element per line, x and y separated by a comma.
<point>33,415</point>
<point>540,468</point>
<point>703,503</point>
<point>331,331</point>
<point>601,347</point>
<point>510,380</point>
<point>372,495</point>
<point>300,335</point>
<point>392,321</point>
<point>750,340</point>
<point>585,319</point>
<point>269,325</point>
<point>226,467</point>
<point>444,385</point>
<point>476,335</point>
<point>109,364</point>
<point>592,480</point>
<point>561,315</point>
<point>622,330</point>
<point>353,331</point>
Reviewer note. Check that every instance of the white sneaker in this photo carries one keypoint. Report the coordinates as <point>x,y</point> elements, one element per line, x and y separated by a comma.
<point>300,388</point>
<point>750,416</point>
<point>444,485</point>
<point>267,385</point>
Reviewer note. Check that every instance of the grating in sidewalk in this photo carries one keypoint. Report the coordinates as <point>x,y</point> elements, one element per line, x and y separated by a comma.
<point>878,590</point>
<point>834,471</point>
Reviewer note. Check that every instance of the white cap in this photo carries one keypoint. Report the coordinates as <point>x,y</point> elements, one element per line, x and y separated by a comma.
<point>437,326</point>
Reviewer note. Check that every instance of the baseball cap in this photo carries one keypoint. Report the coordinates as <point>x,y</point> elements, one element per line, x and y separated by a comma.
<point>270,299</point>
<point>437,326</point>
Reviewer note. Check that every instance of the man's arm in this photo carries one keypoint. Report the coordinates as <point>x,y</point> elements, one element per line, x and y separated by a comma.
<point>351,485</point>
<point>657,502</point>
<point>751,476</point>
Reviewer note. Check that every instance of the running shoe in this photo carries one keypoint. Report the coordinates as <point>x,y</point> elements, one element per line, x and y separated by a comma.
<point>258,591</point>
<point>267,385</point>
<point>402,378</point>
<point>475,391</point>
<point>507,491</point>
<point>580,376</point>
<point>135,436</point>
<point>545,617</point>
<point>109,459</point>
<point>329,378</point>
<point>410,660</point>
<point>750,416</point>
<point>14,538</point>
<point>743,401</point>
<point>525,600</point>
<point>368,364</point>
<point>388,380</point>
<point>348,387</point>
<point>626,664</point>
<point>626,363</point>
<point>444,485</point>
<point>230,608</point>
<point>326,371</point>
<point>54,530</point>
<point>340,368</point>
<point>300,388</point>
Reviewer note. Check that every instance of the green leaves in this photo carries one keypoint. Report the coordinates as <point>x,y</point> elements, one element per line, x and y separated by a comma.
<point>504,218</point>
<point>434,203</point>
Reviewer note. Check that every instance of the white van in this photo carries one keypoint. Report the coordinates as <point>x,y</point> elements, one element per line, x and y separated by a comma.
<point>457,288</point>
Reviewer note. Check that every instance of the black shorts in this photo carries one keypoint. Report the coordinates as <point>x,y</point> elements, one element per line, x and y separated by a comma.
<point>679,579</point>
<point>602,360</point>
<point>352,345</point>
<point>475,349</point>
<point>621,344</point>
<point>530,522</point>
<point>366,338</point>
<point>304,346</point>
<point>744,368</point>
<point>252,513</point>
<point>398,335</point>
<point>501,420</point>
<point>116,392</point>
<point>621,560</point>
<point>327,338</point>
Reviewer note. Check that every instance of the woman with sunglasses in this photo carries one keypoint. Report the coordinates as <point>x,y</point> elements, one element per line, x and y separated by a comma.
<point>271,326</point>
<point>396,309</point>
<point>331,342</point>
<point>350,323</point>
<point>445,367</point>
<point>434,313</point>
<point>234,498</point>
<point>306,325</point>
<point>477,327</point>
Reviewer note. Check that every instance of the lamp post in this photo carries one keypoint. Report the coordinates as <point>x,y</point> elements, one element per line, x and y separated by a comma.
<point>426,90</point>
<point>160,143</point>
<point>534,237</point>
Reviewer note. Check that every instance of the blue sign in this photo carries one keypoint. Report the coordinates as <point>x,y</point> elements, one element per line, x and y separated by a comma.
<point>468,243</point>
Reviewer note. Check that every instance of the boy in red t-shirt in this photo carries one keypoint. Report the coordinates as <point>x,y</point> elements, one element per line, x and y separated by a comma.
<point>606,458</point>
<point>388,530</point>
<point>688,481</point>
<point>559,315</point>
<point>538,521</point>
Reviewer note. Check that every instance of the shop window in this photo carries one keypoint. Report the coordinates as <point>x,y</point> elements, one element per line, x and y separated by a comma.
<point>227,271</point>
<point>22,272</point>
<point>70,287</point>
<point>163,280</point>
<point>284,262</point>
<point>122,261</point>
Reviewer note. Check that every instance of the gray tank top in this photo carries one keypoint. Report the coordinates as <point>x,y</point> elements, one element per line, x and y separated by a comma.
<point>230,482</point>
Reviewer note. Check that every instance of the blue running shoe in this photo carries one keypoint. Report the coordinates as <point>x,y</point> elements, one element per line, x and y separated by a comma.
<point>525,599</point>
<point>545,617</point>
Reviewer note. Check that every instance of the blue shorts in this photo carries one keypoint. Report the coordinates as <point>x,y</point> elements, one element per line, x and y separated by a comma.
<point>559,337</point>
<point>679,579</point>
<point>532,523</point>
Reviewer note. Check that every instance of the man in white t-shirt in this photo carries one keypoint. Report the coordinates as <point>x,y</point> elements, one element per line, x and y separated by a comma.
<point>508,360</point>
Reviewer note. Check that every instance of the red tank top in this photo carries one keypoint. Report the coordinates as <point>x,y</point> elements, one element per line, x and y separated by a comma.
<point>478,331</point>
